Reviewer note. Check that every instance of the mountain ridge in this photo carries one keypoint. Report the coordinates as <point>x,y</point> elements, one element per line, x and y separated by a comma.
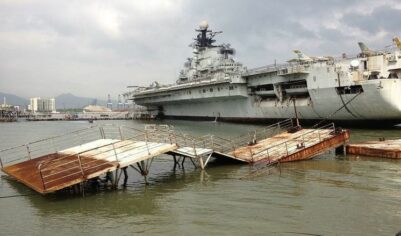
<point>63,101</point>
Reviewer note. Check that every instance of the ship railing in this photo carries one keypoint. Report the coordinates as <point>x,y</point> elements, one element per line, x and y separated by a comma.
<point>293,69</point>
<point>275,153</point>
<point>277,67</point>
<point>205,79</point>
<point>187,84</point>
<point>386,50</point>
<point>264,69</point>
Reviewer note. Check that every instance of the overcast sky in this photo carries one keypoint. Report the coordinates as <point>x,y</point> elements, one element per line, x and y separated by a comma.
<point>92,48</point>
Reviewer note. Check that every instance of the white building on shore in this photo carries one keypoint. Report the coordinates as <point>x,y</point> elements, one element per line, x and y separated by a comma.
<point>43,105</point>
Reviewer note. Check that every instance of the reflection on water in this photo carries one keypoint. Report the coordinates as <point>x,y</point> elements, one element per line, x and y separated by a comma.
<point>327,196</point>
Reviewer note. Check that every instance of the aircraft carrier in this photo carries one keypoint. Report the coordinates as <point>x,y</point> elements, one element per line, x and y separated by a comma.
<point>213,86</point>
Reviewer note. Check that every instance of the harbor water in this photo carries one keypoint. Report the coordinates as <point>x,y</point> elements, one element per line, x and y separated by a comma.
<point>330,195</point>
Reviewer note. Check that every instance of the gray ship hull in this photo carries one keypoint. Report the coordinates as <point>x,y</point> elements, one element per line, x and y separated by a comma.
<point>390,123</point>
<point>378,105</point>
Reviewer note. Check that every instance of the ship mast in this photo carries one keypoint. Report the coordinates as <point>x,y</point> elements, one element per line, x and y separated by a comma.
<point>205,36</point>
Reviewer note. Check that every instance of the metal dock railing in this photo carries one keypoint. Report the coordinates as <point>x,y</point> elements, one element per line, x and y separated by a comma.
<point>62,161</point>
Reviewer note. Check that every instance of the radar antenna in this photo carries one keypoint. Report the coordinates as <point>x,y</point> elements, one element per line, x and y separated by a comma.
<point>205,36</point>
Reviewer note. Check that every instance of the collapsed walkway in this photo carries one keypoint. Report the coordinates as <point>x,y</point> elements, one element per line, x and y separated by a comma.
<point>280,142</point>
<point>86,159</point>
<point>63,161</point>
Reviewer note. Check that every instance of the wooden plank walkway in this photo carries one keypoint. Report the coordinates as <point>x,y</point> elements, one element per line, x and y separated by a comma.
<point>74,165</point>
<point>63,171</point>
<point>56,170</point>
<point>301,145</point>
<point>384,149</point>
<point>125,153</point>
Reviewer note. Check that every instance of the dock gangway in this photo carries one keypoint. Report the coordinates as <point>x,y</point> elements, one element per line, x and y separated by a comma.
<point>66,160</point>
<point>279,142</point>
<point>58,162</point>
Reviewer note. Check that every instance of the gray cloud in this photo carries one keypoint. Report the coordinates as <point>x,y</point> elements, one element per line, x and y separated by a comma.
<point>383,18</point>
<point>92,48</point>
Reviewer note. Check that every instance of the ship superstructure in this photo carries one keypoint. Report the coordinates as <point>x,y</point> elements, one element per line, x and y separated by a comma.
<point>213,85</point>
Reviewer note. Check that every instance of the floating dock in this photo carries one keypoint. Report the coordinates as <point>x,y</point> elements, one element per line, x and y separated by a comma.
<point>69,160</point>
<point>384,149</point>
<point>293,146</point>
<point>63,161</point>
<point>65,168</point>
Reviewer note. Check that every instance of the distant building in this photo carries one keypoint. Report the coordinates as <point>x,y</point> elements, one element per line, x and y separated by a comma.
<point>109,103</point>
<point>43,104</point>
<point>95,108</point>
<point>5,105</point>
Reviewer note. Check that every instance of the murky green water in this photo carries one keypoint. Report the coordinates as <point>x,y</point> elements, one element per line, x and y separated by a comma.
<point>325,196</point>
